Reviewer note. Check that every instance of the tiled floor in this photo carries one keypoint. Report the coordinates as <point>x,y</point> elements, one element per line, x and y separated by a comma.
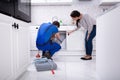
<point>69,68</point>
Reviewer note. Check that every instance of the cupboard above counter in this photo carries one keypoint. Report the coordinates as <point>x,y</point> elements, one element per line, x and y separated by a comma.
<point>19,9</point>
<point>109,2</point>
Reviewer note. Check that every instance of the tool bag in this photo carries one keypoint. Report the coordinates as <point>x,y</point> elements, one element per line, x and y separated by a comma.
<point>44,64</point>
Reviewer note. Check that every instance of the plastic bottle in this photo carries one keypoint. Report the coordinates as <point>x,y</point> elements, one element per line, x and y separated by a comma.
<point>61,23</point>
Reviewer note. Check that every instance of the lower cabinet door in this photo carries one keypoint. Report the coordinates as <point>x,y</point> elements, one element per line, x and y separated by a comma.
<point>22,55</point>
<point>6,62</point>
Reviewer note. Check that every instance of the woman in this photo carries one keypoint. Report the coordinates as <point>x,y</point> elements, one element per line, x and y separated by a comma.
<point>85,21</point>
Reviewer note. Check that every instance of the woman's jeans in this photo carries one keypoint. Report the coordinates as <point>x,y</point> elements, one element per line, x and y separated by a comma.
<point>88,43</point>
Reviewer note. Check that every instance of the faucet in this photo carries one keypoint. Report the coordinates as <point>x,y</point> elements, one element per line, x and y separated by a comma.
<point>55,18</point>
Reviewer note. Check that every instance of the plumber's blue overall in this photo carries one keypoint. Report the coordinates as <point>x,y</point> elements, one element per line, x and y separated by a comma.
<point>43,40</point>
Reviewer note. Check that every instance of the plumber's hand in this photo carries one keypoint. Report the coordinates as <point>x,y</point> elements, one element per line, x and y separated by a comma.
<point>53,37</point>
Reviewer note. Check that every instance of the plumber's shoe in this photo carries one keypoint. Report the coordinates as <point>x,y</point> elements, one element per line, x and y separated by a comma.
<point>47,54</point>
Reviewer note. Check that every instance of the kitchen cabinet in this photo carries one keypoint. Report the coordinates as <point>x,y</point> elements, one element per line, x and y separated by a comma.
<point>75,41</point>
<point>67,43</point>
<point>6,58</point>
<point>108,45</point>
<point>14,47</point>
<point>33,35</point>
<point>109,2</point>
<point>21,47</point>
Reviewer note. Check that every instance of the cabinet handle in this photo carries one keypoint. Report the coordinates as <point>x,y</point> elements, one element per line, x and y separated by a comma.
<point>14,25</point>
<point>36,27</point>
<point>17,26</point>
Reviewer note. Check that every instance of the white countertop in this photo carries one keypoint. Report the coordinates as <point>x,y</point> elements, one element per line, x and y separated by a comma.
<point>66,28</point>
<point>62,28</point>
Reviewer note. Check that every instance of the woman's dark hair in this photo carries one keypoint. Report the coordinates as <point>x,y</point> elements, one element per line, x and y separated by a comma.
<point>77,22</point>
<point>56,23</point>
<point>75,13</point>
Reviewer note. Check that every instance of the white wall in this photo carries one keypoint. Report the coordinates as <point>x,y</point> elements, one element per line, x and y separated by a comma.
<point>45,13</point>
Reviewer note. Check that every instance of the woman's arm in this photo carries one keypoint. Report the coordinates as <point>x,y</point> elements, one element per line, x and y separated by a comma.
<point>73,30</point>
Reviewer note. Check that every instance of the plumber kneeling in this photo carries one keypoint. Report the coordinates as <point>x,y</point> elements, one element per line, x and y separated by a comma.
<point>47,32</point>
